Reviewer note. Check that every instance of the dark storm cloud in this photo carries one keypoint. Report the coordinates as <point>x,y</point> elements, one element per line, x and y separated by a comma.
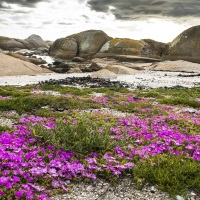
<point>26,3</point>
<point>132,9</point>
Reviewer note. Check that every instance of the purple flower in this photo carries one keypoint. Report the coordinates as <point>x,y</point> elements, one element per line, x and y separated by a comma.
<point>19,194</point>
<point>129,165</point>
<point>126,122</point>
<point>4,180</point>
<point>55,184</point>
<point>43,197</point>
<point>16,179</point>
<point>91,160</point>
<point>29,195</point>
<point>74,122</point>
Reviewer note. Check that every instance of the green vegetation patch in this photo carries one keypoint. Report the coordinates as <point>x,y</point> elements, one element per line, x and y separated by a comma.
<point>174,174</point>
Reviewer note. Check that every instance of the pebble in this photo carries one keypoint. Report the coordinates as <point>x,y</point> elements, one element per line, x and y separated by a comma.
<point>192,194</point>
<point>178,197</point>
<point>102,190</point>
<point>5,119</point>
<point>47,92</point>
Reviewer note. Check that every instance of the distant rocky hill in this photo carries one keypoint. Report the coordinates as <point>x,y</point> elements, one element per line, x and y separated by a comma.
<point>32,42</point>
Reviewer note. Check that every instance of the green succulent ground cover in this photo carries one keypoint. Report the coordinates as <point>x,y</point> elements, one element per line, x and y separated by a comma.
<point>148,128</point>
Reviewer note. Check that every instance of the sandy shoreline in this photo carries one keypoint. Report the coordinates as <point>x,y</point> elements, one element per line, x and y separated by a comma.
<point>151,79</point>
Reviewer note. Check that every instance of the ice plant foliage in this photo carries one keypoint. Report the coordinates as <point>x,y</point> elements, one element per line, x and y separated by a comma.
<point>27,166</point>
<point>34,165</point>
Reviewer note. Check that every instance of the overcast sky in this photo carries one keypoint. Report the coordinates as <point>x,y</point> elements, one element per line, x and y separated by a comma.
<point>161,20</point>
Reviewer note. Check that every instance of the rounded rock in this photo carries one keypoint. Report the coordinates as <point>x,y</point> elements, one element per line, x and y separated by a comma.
<point>64,48</point>
<point>186,46</point>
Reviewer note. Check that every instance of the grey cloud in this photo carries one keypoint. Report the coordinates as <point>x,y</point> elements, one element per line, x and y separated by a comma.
<point>2,6</point>
<point>134,9</point>
<point>19,11</point>
<point>3,21</point>
<point>85,17</point>
<point>26,3</point>
<point>81,1</point>
<point>63,23</point>
<point>21,23</point>
<point>47,23</point>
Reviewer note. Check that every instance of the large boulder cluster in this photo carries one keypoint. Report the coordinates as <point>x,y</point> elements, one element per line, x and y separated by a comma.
<point>96,43</point>
<point>94,51</point>
<point>84,44</point>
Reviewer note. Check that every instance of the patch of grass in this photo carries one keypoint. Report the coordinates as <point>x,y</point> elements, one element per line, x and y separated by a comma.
<point>81,135</point>
<point>173,174</point>
<point>23,104</point>
<point>82,91</point>
<point>178,92</point>
<point>62,89</point>
<point>62,103</point>
<point>132,107</point>
<point>32,104</point>
<point>4,129</point>
<point>45,112</point>
<point>13,91</point>
<point>151,93</point>
<point>180,101</point>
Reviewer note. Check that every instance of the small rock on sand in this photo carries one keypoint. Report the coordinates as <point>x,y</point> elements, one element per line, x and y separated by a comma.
<point>103,73</point>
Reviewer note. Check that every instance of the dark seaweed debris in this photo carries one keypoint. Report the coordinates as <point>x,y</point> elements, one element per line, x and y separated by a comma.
<point>188,75</point>
<point>87,82</point>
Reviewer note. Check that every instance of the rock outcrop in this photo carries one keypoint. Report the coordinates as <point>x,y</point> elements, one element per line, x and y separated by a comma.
<point>10,66</point>
<point>155,48</point>
<point>84,44</point>
<point>125,46</point>
<point>34,60</point>
<point>36,41</point>
<point>90,42</point>
<point>120,69</point>
<point>103,73</point>
<point>121,46</point>
<point>75,70</point>
<point>64,48</point>
<point>32,42</point>
<point>176,66</point>
<point>10,44</point>
<point>185,46</point>
<point>78,59</point>
<point>112,71</point>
